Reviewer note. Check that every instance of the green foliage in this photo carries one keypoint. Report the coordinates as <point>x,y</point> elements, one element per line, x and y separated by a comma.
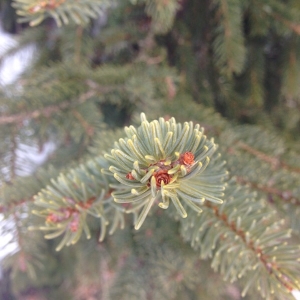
<point>228,43</point>
<point>291,76</point>
<point>190,60</point>
<point>162,14</point>
<point>60,10</point>
<point>164,161</point>
<point>233,236</point>
<point>231,231</point>
<point>68,202</point>
<point>174,161</point>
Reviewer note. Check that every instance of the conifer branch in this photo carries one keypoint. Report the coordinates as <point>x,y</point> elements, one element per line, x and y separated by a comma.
<point>164,161</point>
<point>63,11</point>
<point>20,191</point>
<point>161,162</point>
<point>48,111</point>
<point>279,14</point>
<point>4,208</point>
<point>250,46</point>
<point>89,129</point>
<point>268,261</point>
<point>227,32</point>
<point>66,204</point>
<point>228,44</point>
<point>162,13</point>
<point>243,240</point>
<point>295,27</point>
<point>286,196</point>
<point>45,111</point>
<point>275,162</point>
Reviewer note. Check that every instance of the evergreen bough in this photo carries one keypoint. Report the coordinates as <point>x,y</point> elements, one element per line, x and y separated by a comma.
<point>161,162</point>
<point>161,177</point>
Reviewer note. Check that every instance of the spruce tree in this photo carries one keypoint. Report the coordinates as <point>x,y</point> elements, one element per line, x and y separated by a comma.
<point>175,172</point>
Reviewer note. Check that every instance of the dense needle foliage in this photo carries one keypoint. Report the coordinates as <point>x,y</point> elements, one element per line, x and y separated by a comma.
<point>175,172</point>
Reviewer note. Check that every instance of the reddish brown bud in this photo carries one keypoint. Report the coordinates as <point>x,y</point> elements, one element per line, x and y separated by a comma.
<point>129,176</point>
<point>74,225</point>
<point>52,218</point>
<point>162,176</point>
<point>35,9</point>
<point>187,158</point>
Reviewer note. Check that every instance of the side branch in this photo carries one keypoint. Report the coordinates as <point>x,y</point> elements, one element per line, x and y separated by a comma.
<point>295,27</point>
<point>274,161</point>
<point>46,111</point>
<point>271,267</point>
<point>51,109</point>
<point>284,195</point>
<point>7,207</point>
<point>70,213</point>
<point>89,129</point>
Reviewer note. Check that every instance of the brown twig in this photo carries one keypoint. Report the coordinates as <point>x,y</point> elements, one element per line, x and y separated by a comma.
<point>291,25</point>
<point>284,195</point>
<point>52,109</point>
<point>78,44</point>
<point>45,111</point>
<point>4,208</point>
<point>274,161</point>
<point>87,127</point>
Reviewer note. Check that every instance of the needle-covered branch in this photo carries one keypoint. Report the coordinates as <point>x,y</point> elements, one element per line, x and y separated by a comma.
<point>63,11</point>
<point>68,201</point>
<point>244,240</point>
<point>162,162</point>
